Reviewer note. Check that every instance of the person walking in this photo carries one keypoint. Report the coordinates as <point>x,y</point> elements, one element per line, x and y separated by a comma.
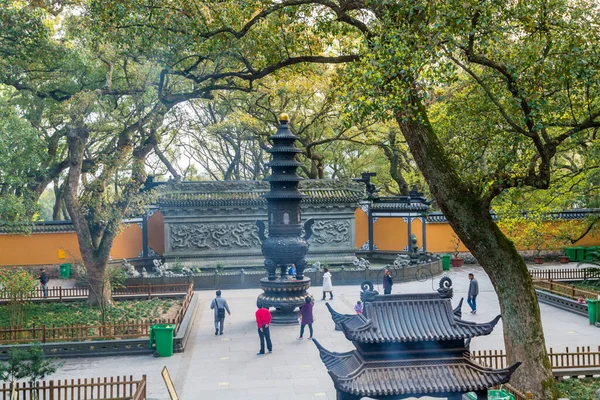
<point>220,305</point>
<point>388,282</point>
<point>44,281</point>
<point>263,320</point>
<point>473,292</point>
<point>358,307</point>
<point>306,317</point>
<point>327,286</point>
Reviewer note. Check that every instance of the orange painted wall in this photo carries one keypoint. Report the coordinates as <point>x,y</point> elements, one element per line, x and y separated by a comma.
<point>38,249</point>
<point>43,248</point>
<point>156,232</point>
<point>128,244</point>
<point>391,234</point>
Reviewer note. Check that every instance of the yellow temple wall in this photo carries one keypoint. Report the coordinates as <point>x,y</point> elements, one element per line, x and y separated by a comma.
<point>390,234</point>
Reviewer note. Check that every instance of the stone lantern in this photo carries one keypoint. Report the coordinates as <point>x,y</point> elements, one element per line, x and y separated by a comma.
<point>284,246</point>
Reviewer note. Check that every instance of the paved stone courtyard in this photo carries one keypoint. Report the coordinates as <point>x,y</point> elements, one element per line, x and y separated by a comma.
<point>227,367</point>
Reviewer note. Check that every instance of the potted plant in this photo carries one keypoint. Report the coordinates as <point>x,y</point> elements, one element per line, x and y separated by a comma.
<point>564,259</point>
<point>456,261</point>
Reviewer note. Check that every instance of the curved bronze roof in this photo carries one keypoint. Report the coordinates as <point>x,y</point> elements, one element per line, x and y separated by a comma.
<point>409,318</point>
<point>351,373</point>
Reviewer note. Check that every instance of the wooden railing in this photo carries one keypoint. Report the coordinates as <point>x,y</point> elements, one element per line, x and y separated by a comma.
<point>119,388</point>
<point>46,334</point>
<point>59,293</point>
<point>572,274</point>
<point>123,330</point>
<point>517,394</point>
<point>581,358</point>
<point>186,303</point>
<point>563,289</point>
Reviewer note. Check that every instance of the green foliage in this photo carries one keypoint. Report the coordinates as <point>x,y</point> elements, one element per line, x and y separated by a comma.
<point>117,277</point>
<point>17,286</point>
<point>219,268</point>
<point>580,389</point>
<point>79,313</point>
<point>28,364</point>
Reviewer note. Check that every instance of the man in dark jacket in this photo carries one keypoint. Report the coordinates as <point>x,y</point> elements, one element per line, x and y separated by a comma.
<point>387,282</point>
<point>44,281</point>
<point>473,292</point>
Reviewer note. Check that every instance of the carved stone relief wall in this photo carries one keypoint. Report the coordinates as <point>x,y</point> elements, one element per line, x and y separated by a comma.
<point>198,236</point>
<point>214,222</point>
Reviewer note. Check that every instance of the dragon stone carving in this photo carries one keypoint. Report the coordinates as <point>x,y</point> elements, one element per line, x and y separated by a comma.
<point>240,235</point>
<point>330,232</point>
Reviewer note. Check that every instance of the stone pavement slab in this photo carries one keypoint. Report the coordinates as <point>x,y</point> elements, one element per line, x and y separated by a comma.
<point>227,367</point>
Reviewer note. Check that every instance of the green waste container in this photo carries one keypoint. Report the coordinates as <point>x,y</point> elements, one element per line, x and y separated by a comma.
<point>592,310</point>
<point>161,337</point>
<point>446,262</point>
<point>494,395</point>
<point>580,253</point>
<point>571,252</point>
<point>65,271</point>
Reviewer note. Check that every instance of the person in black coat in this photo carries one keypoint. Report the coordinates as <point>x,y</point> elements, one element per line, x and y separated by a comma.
<point>44,281</point>
<point>387,282</point>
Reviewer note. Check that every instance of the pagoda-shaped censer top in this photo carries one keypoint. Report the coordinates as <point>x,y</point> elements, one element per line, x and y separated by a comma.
<point>284,246</point>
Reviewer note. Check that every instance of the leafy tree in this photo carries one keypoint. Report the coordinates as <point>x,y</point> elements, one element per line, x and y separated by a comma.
<point>17,286</point>
<point>99,108</point>
<point>534,66</point>
<point>28,364</point>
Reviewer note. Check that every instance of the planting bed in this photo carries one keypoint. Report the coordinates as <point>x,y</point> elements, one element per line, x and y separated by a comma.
<point>579,389</point>
<point>78,313</point>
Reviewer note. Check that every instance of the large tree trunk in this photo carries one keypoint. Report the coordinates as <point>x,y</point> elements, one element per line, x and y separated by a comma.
<point>95,258</point>
<point>99,283</point>
<point>470,218</point>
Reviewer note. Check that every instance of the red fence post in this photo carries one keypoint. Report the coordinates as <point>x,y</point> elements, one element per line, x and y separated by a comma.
<point>43,333</point>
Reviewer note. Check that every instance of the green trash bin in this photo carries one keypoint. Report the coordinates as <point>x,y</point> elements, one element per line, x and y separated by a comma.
<point>580,253</point>
<point>65,271</point>
<point>446,262</point>
<point>571,252</point>
<point>592,310</point>
<point>161,338</point>
<point>494,395</point>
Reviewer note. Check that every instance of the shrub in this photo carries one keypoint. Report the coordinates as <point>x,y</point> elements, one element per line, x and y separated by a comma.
<point>17,286</point>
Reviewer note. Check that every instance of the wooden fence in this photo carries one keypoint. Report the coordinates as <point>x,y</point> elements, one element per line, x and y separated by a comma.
<point>517,394</point>
<point>123,330</point>
<point>581,358</point>
<point>570,274</point>
<point>119,388</point>
<point>566,290</point>
<point>60,293</point>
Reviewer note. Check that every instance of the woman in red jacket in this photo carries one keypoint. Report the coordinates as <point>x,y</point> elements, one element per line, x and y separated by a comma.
<point>306,317</point>
<point>263,319</point>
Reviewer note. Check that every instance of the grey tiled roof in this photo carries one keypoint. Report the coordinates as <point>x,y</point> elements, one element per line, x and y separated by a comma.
<point>46,227</point>
<point>457,374</point>
<point>409,318</point>
<point>391,207</point>
<point>581,213</point>
<point>249,193</point>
